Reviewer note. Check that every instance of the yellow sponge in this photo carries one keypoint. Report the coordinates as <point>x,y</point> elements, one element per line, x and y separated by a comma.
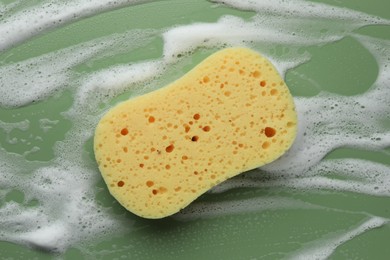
<point>160,151</point>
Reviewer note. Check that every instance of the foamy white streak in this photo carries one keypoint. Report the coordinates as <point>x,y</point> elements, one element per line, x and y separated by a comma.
<point>116,80</point>
<point>6,8</point>
<point>235,31</point>
<point>302,9</point>
<point>325,248</point>
<point>51,237</point>
<point>37,78</point>
<point>29,22</point>
<point>326,123</point>
<point>217,209</point>
<point>360,176</point>
<point>62,217</point>
<point>277,22</point>
<point>8,126</point>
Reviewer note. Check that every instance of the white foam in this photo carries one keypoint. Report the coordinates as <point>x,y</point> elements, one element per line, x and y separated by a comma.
<point>116,80</point>
<point>277,22</point>
<point>303,9</point>
<point>50,236</point>
<point>324,248</point>
<point>234,31</point>
<point>46,124</point>
<point>329,122</point>
<point>34,79</point>
<point>217,209</point>
<point>9,126</point>
<point>39,77</point>
<point>360,176</point>
<point>32,21</point>
<point>66,213</point>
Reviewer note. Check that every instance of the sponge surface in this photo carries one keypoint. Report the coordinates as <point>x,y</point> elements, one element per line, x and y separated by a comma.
<point>160,151</point>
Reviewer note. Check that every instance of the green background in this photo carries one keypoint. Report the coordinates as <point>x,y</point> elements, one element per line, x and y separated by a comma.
<point>267,234</point>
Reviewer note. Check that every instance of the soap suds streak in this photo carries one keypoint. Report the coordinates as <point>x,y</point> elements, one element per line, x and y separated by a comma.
<point>323,249</point>
<point>303,9</point>
<point>281,23</point>
<point>30,22</point>
<point>36,78</point>
<point>233,31</point>
<point>217,209</point>
<point>297,23</point>
<point>114,81</point>
<point>359,176</point>
<point>60,216</point>
<point>319,132</point>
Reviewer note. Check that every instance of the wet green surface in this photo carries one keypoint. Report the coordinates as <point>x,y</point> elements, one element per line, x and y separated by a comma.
<point>343,67</point>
